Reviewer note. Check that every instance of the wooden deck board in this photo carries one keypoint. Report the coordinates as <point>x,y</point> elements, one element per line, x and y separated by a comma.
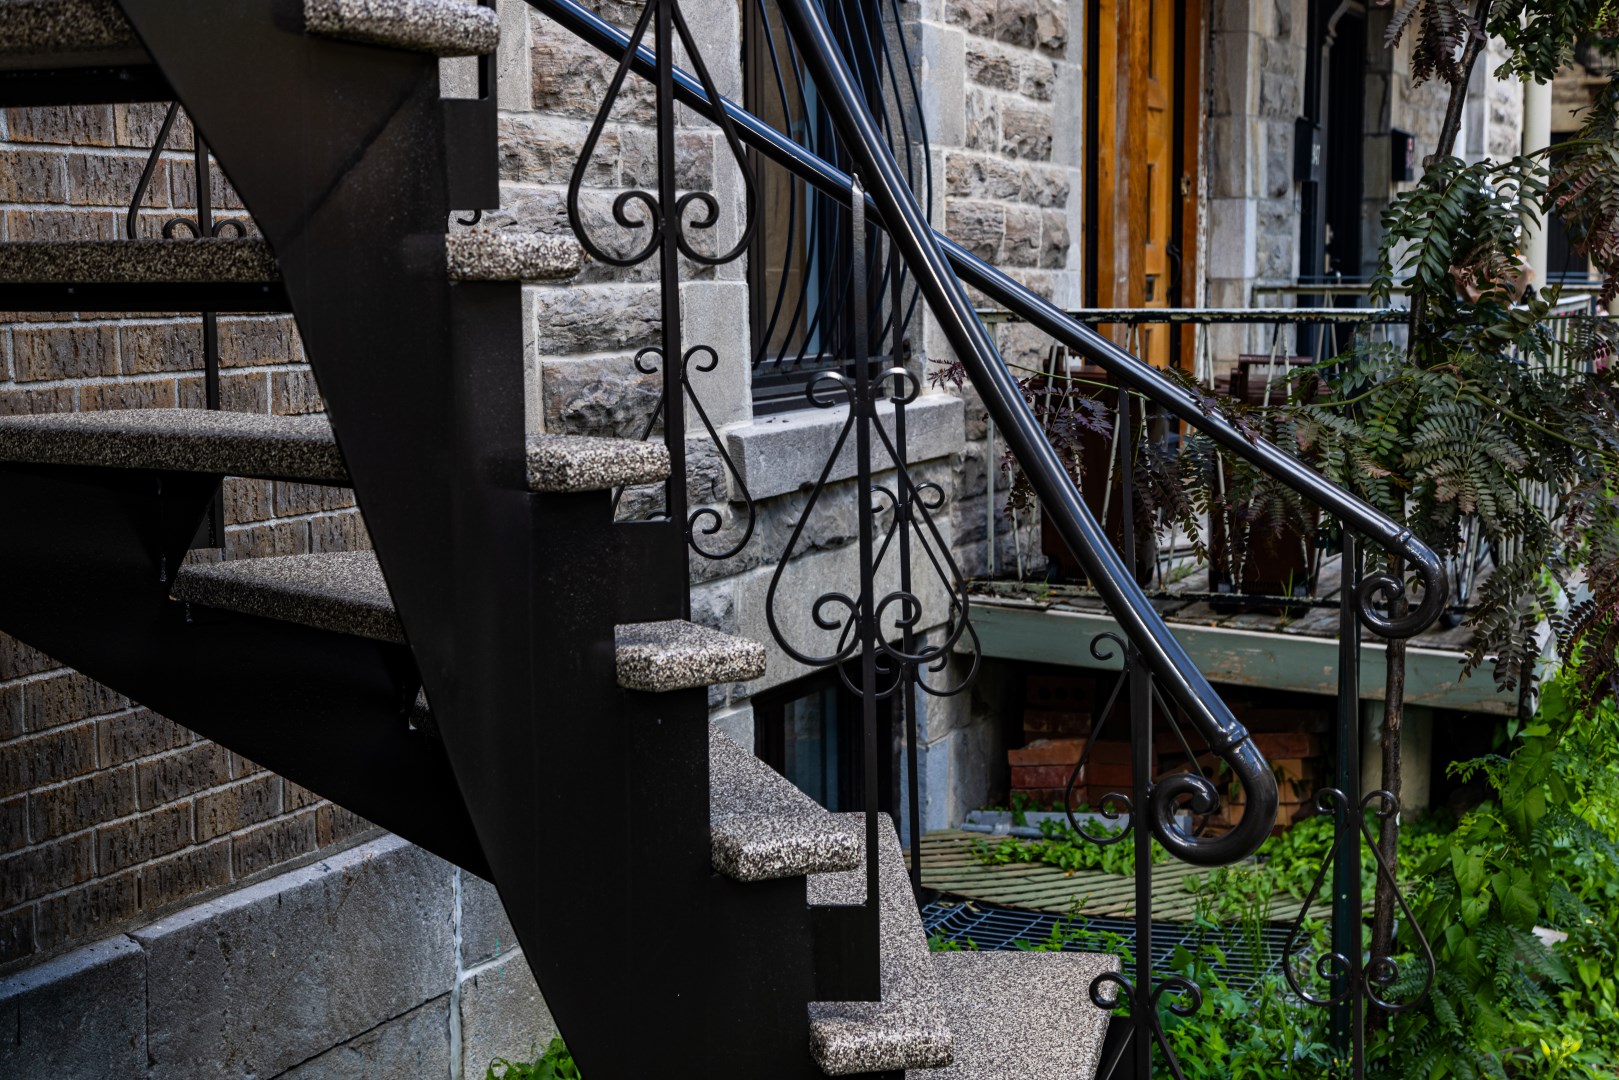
<point>949,866</point>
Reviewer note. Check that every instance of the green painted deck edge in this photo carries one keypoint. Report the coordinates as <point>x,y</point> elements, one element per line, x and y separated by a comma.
<point>1238,657</point>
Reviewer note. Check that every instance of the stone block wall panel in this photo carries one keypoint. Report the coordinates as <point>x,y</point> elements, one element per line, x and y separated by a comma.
<point>81,1015</point>
<point>379,963</point>
<point>267,977</point>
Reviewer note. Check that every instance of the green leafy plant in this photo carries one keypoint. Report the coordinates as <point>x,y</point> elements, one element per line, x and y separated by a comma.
<point>940,943</point>
<point>1543,852</point>
<point>555,1064</point>
<point>1256,1033</point>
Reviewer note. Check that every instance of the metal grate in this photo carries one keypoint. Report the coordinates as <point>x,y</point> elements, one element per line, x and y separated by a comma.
<point>990,927</point>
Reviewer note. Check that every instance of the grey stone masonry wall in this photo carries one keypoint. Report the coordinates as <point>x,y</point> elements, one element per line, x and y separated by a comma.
<point>1492,119</point>
<point>996,82</point>
<point>1002,98</point>
<point>1256,68</point>
<point>381,962</point>
<point>586,334</point>
<point>109,814</point>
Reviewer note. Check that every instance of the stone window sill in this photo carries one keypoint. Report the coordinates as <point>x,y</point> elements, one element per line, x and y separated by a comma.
<point>786,452</point>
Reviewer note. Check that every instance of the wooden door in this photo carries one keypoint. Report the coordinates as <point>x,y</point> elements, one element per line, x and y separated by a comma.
<point>1145,126</point>
<point>1157,174</point>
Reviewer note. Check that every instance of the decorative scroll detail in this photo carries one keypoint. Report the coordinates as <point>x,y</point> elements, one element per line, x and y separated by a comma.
<point>706,520</point>
<point>910,507</point>
<point>1385,588</point>
<point>1187,1001</point>
<point>1114,805</point>
<point>1164,803</point>
<point>1351,976</point>
<point>669,215</point>
<point>195,226</point>
<point>635,209</point>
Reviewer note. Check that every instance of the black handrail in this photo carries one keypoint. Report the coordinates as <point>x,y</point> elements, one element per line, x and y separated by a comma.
<point>1037,311</point>
<point>931,257</point>
<point>1060,498</point>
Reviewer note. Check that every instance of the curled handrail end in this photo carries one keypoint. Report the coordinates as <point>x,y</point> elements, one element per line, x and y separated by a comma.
<point>1375,588</point>
<point>1261,800</point>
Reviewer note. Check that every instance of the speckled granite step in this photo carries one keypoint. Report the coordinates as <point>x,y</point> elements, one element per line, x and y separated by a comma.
<point>297,448</point>
<point>577,463</point>
<point>763,827</point>
<point>1020,1015</point>
<point>343,592</point>
<point>511,255</point>
<point>53,27</point>
<point>907,1028</point>
<point>677,655</point>
<point>346,593</point>
<point>211,260</point>
<point>440,27</point>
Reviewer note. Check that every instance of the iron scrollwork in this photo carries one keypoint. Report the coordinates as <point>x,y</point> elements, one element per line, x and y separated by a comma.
<point>672,215</point>
<point>1349,974</point>
<point>910,507</point>
<point>705,520</point>
<point>203,223</point>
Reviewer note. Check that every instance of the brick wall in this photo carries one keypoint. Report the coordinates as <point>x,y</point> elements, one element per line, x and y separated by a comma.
<point>110,814</point>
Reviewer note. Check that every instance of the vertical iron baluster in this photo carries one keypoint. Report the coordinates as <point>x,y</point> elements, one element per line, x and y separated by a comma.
<point>864,406</point>
<point>674,397</point>
<point>1142,1008</point>
<point>1348,1016</point>
<point>904,511</point>
<point>215,525</point>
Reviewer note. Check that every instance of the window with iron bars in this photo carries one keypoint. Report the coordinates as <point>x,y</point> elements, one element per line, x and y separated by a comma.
<point>798,264</point>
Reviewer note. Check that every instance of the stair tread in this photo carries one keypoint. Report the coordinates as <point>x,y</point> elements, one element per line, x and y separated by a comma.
<point>209,260</point>
<point>578,463</point>
<point>679,655</point>
<point>512,255</point>
<point>32,27</point>
<point>440,27</point>
<point>184,440</point>
<point>906,1029</point>
<point>340,591</point>
<point>345,592</point>
<point>762,827</point>
<point>1021,1015</point>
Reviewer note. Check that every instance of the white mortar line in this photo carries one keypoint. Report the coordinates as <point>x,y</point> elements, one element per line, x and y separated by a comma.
<point>455,987</point>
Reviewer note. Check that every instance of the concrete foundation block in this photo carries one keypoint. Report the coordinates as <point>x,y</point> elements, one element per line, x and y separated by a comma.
<point>783,453</point>
<point>415,1046</point>
<point>486,932</point>
<point>80,1015</point>
<point>502,1015</point>
<point>268,977</point>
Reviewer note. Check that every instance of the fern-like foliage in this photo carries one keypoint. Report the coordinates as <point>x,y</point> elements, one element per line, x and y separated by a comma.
<point>1442,28</point>
<point>1486,423</point>
<point>1584,191</point>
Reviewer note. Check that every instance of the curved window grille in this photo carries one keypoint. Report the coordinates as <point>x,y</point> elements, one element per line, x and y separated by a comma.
<point>798,264</point>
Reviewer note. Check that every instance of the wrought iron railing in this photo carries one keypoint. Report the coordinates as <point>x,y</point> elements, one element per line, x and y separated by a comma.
<point>863,625</point>
<point>200,224</point>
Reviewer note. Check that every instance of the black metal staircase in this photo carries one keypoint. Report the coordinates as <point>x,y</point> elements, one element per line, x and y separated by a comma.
<point>509,653</point>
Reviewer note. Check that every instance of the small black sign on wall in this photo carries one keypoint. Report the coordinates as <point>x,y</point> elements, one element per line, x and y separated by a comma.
<point>1403,154</point>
